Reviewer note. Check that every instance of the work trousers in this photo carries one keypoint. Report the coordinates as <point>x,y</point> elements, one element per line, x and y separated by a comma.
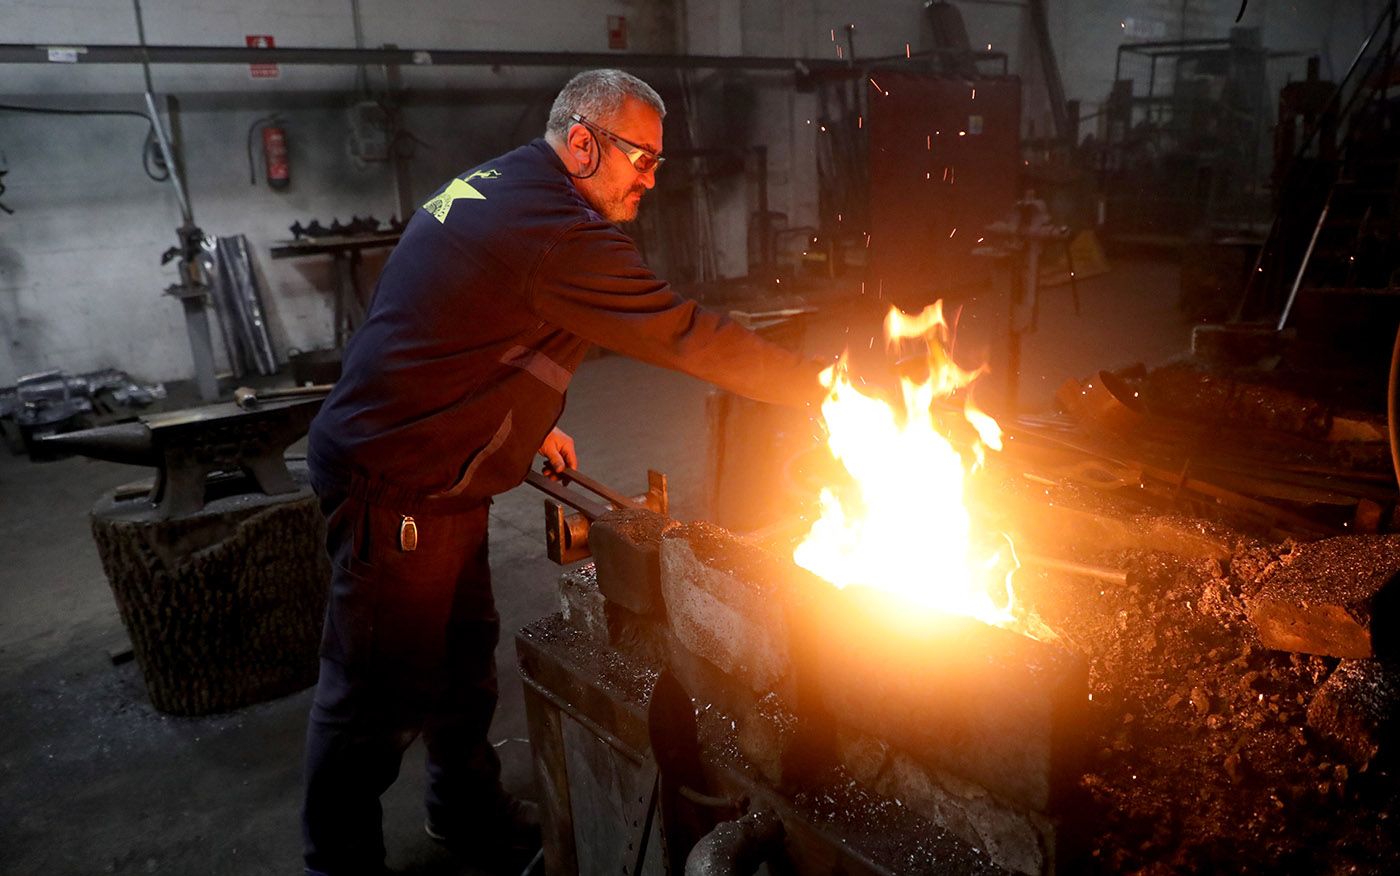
<point>408,648</point>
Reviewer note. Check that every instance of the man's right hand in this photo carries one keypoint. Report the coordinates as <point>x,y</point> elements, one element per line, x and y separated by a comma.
<point>558,452</point>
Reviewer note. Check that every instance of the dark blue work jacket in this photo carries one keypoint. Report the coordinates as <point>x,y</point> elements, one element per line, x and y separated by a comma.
<point>492,298</point>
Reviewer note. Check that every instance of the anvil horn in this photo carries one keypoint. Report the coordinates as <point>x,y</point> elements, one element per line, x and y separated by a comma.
<point>128,443</point>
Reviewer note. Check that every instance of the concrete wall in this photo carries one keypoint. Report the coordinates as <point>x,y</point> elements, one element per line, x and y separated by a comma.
<point>80,280</point>
<point>80,283</point>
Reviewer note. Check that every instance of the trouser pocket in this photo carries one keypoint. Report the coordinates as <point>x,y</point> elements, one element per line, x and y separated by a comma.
<point>394,611</point>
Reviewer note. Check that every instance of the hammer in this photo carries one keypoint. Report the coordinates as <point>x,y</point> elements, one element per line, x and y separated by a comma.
<point>248,398</point>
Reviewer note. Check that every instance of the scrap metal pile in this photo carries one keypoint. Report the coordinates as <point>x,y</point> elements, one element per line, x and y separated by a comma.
<point>51,402</point>
<point>1243,687</point>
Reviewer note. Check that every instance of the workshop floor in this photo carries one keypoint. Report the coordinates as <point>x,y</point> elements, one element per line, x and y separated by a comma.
<point>93,780</point>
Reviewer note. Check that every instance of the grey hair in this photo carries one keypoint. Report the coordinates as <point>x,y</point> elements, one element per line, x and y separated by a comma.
<point>597,95</point>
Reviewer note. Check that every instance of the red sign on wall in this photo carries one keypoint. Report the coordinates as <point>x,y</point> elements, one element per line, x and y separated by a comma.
<point>262,71</point>
<point>617,32</point>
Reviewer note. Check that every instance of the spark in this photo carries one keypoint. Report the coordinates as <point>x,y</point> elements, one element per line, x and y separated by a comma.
<point>928,141</point>
<point>877,87</point>
<point>989,47</point>
<point>962,133</point>
<point>860,121</point>
<point>974,94</point>
<point>951,233</point>
<point>906,50</point>
<point>980,239</point>
<point>833,34</point>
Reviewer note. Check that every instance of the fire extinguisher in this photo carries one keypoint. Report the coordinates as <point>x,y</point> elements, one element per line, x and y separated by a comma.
<point>279,171</point>
<point>274,143</point>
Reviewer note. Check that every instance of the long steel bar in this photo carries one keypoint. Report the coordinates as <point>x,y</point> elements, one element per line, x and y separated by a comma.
<point>167,151</point>
<point>590,509</point>
<point>30,53</point>
<point>1303,266</point>
<point>606,492</point>
<point>1103,573</point>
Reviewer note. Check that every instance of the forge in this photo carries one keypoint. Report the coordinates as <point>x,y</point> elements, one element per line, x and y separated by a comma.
<point>882,738</point>
<point>1180,688</point>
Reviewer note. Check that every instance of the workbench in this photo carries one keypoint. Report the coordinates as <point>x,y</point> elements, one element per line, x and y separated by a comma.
<point>344,251</point>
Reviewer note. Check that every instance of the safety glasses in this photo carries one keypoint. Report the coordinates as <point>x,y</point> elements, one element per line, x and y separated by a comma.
<point>643,160</point>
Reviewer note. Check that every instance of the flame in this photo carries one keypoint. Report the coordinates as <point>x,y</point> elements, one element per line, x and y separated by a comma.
<point>901,523</point>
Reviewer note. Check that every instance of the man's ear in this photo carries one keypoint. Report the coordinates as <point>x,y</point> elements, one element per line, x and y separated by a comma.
<point>580,143</point>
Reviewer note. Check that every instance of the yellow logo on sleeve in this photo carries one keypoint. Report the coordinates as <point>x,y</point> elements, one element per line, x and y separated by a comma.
<point>441,205</point>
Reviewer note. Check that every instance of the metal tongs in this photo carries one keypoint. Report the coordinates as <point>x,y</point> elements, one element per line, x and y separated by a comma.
<point>566,535</point>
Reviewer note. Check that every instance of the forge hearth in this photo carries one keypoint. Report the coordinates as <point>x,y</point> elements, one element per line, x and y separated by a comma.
<point>974,732</point>
<point>1167,728</point>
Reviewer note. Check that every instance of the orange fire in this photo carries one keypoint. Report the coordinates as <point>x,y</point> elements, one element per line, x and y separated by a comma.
<point>900,523</point>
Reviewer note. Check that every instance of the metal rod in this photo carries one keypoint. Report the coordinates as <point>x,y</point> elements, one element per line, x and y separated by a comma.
<point>1303,267</point>
<point>141,37</point>
<point>613,496</point>
<point>30,53</point>
<point>590,509</point>
<point>187,54</point>
<point>163,139</point>
<point>1103,573</point>
<point>168,155</point>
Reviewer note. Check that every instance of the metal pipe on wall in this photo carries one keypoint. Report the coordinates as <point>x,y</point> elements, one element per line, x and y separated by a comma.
<point>29,53</point>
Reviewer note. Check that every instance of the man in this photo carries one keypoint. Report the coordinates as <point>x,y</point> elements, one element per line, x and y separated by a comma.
<point>498,288</point>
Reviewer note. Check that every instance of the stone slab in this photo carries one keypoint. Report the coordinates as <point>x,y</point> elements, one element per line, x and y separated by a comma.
<point>1016,838</point>
<point>1332,597</point>
<point>1356,708</point>
<point>988,705</point>
<point>727,601</point>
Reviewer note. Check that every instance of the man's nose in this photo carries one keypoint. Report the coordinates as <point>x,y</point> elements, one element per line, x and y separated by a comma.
<point>649,178</point>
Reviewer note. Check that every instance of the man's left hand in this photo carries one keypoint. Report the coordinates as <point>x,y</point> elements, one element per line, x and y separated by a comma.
<point>558,453</point>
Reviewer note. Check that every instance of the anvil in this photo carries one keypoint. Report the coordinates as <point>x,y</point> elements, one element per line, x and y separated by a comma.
<point>187,446</point>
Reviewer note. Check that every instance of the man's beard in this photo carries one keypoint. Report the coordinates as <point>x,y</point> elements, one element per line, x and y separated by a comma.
<point>623,208</point>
